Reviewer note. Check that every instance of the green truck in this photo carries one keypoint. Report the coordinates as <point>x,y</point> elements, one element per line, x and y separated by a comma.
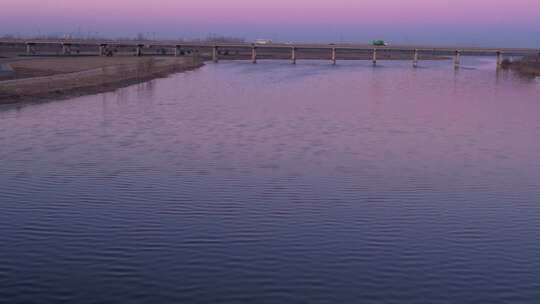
<point>379,43</point>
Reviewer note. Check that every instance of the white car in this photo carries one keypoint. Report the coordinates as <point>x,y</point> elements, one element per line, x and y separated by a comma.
<point>263,41</point>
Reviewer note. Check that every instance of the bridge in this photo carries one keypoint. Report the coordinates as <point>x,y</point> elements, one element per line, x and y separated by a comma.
<point>250,51</point>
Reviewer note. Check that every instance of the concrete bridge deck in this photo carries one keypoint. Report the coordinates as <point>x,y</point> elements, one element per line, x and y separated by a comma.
<point>215,50</point>
<point>350,46</point>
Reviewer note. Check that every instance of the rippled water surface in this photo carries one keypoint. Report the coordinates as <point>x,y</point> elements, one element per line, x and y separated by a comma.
<point>273,183</point>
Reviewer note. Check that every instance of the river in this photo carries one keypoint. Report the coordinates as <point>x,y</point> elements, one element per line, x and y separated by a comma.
<point>274,183</point>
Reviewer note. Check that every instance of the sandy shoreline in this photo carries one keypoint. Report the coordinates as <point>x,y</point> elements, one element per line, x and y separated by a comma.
<point>59,78</point>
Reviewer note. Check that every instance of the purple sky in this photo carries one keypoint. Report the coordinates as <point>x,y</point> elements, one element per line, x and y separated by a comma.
<point>470,22</point>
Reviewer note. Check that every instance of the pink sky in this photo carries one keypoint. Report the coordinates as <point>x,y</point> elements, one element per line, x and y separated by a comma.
<point>440,21</point>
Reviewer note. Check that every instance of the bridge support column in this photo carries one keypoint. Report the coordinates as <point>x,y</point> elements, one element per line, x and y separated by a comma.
<point>334,56</point>
<point>499,59</point>
<point>415,59</point>
<point>254,54</point>
<point>215,54</point>
<point>139,50</point>
<point>102,49</point>
<point>177,50</point>
<point>457,59</point>
<point>66,48</point>
<point>293,55</point>
<point>374,58</point>
<point>30,49</point>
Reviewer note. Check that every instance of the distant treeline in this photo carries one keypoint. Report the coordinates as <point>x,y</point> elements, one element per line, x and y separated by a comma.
<point>138,37</point>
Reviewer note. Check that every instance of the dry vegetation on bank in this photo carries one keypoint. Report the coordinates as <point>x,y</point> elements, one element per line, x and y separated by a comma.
<point>528,66</point>
<point>55,78</point>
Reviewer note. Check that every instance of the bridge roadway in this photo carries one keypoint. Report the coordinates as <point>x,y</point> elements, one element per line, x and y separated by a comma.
<point>101,47</point>
<point>348,46</point>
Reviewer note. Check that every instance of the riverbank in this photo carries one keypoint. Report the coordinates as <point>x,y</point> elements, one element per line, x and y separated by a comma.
<point>6,72</point>
<point>42,79</point>
<point>527,66</point>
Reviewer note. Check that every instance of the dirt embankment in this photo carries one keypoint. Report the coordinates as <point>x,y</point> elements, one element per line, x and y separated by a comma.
<point>57,78</point>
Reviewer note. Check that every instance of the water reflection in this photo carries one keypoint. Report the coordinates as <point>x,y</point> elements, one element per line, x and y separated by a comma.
<point>274,183</point>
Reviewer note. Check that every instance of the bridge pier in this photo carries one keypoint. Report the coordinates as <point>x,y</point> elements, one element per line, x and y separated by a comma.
<point>334,56</point>
<point>215,54</point>
<point>102,49</point>
<point>293,55</point>
<point>177,50</point>
<point>415,59</point>
<point>457,59</point>
<point>66,48</point>
<point>254,55</point>
<point>30,48</point>
<point>374,57</point>
<point>499,59</point>
<point>139,50</point>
